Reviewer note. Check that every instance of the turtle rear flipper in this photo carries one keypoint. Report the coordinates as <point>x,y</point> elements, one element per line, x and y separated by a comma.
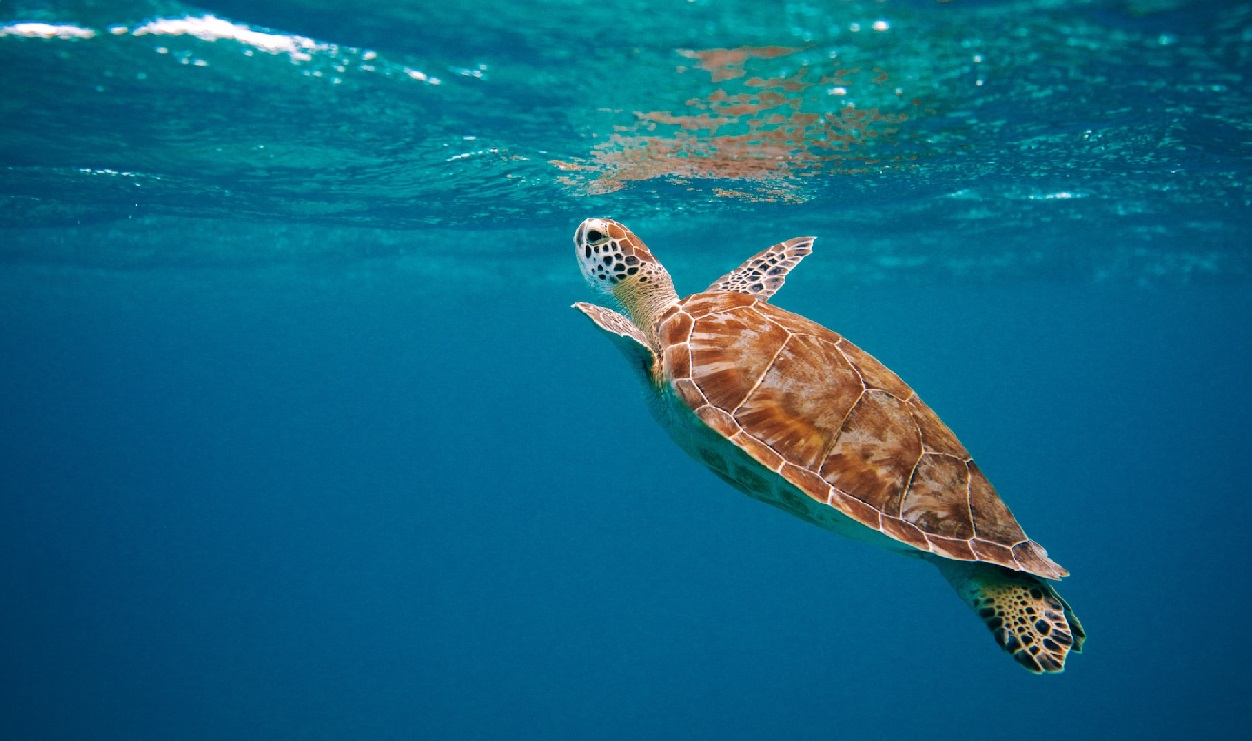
<point>1025,614</point>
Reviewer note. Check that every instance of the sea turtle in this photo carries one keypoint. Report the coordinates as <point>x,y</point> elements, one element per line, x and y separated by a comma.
<point>794,415</point>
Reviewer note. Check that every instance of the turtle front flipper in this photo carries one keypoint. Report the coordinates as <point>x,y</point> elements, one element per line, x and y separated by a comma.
<point>1025,614</point>
<point>763,273</point>
<point>625,336</point>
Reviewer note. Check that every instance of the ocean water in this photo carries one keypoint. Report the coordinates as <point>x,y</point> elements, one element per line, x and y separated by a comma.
<point>299,437</point>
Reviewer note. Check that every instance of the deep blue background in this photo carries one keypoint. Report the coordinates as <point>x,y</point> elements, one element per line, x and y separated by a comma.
<point>267,503</point>
<point>299,437</point>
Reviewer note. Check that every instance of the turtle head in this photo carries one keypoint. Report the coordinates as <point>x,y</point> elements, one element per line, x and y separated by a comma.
<point>616,262</point>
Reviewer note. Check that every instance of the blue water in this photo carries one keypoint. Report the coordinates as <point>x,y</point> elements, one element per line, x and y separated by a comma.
<point>299,437</point>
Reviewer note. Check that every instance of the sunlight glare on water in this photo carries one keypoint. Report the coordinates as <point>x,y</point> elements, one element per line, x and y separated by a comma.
<point>865,115</point>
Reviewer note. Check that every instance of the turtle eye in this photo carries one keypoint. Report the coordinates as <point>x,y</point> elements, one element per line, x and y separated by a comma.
<point>594,236</point>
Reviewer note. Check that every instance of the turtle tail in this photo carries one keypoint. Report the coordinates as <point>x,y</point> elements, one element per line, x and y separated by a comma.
<point>1025,614</point>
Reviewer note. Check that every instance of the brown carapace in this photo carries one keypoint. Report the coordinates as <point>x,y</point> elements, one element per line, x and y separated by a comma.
<point>793,414</point>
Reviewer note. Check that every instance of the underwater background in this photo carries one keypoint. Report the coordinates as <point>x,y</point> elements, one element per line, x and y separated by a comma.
<point>299,437</point>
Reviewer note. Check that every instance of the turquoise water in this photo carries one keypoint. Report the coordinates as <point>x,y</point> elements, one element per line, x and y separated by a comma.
<point>302,439</point>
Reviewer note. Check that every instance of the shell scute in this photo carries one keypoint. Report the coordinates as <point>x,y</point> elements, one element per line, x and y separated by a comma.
<point>1035,559</point>
<point>805,480</point>
<point>800,325</point>
<point>721,422</point>
<point>729,352</point>
<point>936,437</point>
<point>675,327</point>
<point>992,519</point>
<point>689,394</point>
<point>985,550</point>
<point>767,456</point>
<point>875,451</point>
<point>800,403</point>
<point>703,304</point>
<point>937,499</point>
<point>854,508</point>
<point>961,550</point>
<point>905,532</point>
<point>874,374</point>
<point>677,359</point>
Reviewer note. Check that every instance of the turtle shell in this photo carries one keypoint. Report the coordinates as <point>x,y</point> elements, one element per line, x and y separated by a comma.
<point>835,423</point>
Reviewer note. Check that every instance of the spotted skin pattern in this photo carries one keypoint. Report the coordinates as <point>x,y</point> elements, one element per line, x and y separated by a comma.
<point>793,414</point>
<point>612,254</point>
<point>764,272</point>
<point>1025,615</point>
<point>614,261</point>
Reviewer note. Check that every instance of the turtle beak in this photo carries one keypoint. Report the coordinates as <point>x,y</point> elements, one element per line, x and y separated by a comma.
<point>582,250</point>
